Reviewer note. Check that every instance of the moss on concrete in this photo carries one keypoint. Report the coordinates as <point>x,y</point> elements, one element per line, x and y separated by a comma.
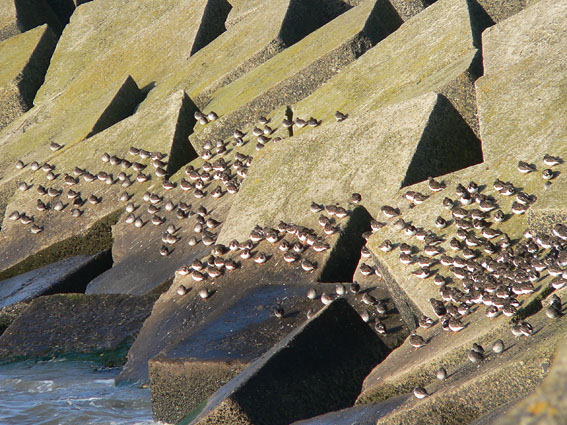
<point>96,239</point>
<point>424,54</point>
<point>23,15</point>
<point>298,70</point>
<point>76,326</point>
<point>328,164</point>
<point>25,59</point>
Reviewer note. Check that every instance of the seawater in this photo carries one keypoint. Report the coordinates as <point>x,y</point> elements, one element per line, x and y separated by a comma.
<point>61,392</point>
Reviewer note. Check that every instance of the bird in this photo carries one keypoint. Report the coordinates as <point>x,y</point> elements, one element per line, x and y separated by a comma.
<point>425,322</point>
<point>475,356</point>
<point>339,116</point>
<point>435,186</point>
<point>498,346</point>
<point>551,161</point>
<point>279,312</point>
<point>416,341</point>
<point>441,374</point>
<point>525,168</point>
<point>420,392</point>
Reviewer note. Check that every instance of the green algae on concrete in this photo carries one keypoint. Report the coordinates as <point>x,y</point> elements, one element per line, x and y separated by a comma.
<point>373,154</point>
<point>159,128</point>
<point>205,357</point>
<point>75,325</point>
<point>470,390</point>
<point>298,70</point>
<point>523,99</point>
<point>24,59</point>
<point>548,406</point>
<point>66,120</point>
<point>143,40</point>
<point>434,51</point>
<point>499,10</point>
<point>523,107</point>
<point>272,27</point>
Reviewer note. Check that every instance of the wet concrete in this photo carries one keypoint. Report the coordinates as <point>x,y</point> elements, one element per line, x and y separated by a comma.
<point>69,275</point>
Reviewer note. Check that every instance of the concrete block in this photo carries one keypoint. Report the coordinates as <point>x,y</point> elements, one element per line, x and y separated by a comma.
<point>75,325</point>
<point>298,70</point>
<point>70,275</point>
<point>320,363</point>
<point>411,61</point>
<point>26,58</point>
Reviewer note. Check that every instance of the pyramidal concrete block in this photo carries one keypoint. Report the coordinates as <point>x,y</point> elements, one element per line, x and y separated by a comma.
<point>272,27</point>
<point>159,128</point>
<point>143,40</point>
<point>411,61</point>
<point>548,404</point>
<point>530,33</point>
<point>397,145</point>
<point>535,82</point>
<point>298,70</point>
<point>200,361</point>
<point>315,368</point>
<point>67,120</point>
<point>25,59</point>
<point>69,275</point>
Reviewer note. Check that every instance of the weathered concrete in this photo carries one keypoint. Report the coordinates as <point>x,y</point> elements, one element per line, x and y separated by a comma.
<point>25,59</point>
<point>409,141</point>
<point>359,415</point>
<point>537,126</point>
<point>74,324</point>
<point>531,33</point>
<point>161,128</point>
<point>548,406</point>
<point>143,40</point>
<point>407,9</point>
<point>198,363</point>
<point>29,136</point>
<point>303,364</point>
<point>23,15</point>
<point>162,328</point>
<point>470,390</point>
<point>297,71</point>
<point>532,76</point>
<point>272,27</point>
<point>412,61</point>
<point>70,275</point>
<point>500,10</point>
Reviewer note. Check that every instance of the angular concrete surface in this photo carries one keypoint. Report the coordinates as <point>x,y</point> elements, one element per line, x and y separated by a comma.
<point>69,275</point>
<point>530,33</point>
<point>303,364</point>
<point>198,363</point>
<point>25,60</point>
<point>397,145</point>
<point>298,70</point>
<point>160,128</point>
<point>143,40</point>
<point>75,324</point>
<point>272,27</point>
<point>412,61</point>
<point>24,15</point>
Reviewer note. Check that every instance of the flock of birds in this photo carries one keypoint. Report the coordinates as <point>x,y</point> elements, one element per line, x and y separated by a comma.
<point>481,266</point>
<point>487,268</point>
